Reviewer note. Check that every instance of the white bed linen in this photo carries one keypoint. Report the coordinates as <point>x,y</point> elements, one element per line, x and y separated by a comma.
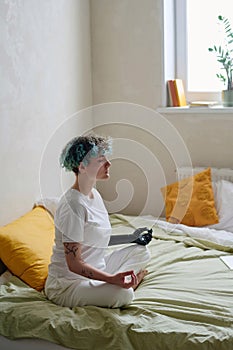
<point>221,237</point>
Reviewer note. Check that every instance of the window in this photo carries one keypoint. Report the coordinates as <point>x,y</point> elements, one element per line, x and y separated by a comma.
<point>197,29</point>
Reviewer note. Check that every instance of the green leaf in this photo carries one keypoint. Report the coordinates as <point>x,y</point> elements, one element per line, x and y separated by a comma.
<point>224,52</point>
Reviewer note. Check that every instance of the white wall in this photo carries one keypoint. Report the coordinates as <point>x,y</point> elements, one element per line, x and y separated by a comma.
<point>45,69</point>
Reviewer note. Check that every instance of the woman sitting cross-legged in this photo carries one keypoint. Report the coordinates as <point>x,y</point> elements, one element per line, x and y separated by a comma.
<point>81,272</point>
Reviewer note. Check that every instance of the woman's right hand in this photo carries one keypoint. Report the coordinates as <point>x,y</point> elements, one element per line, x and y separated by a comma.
<point>142,235</point>
<point>126,279</point>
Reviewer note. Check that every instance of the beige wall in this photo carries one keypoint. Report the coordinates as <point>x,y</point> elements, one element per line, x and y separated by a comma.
<point>208,137</point>
<point>45,78</point>
<point>143,156</point>
<point>59,56</point>
<point>150,146</point>
<point>127,65</point>
<point>126,51</point>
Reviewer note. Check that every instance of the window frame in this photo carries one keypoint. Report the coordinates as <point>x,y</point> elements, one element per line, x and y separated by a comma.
<point>181,54</point>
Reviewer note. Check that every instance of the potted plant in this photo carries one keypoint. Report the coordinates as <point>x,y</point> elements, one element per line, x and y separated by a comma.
<point>225,58</point>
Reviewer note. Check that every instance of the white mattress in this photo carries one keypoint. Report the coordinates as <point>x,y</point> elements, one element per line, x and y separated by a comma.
<point>28,344</point>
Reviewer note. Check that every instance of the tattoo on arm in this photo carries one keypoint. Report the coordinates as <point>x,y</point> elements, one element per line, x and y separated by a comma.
<point>70,249</point>
<point>87,273</point>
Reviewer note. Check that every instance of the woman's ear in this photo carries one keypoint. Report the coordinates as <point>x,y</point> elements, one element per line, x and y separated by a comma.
<point>81,167</point>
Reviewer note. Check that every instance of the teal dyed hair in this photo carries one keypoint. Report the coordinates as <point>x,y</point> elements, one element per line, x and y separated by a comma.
<point>82,149</point>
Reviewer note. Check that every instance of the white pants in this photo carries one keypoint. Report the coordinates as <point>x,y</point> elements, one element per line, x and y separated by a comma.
<point>92,292</point>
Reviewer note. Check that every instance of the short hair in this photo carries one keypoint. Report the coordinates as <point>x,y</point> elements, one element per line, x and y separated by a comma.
<point>82,149</point>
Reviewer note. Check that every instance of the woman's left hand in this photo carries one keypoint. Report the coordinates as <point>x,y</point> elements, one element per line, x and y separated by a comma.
<point>125,279</point>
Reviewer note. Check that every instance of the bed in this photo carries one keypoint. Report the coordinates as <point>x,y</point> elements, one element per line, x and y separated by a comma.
<point>185,301</point>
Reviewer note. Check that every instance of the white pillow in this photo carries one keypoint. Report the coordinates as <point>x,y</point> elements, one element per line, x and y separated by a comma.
<point>224,205</point>
<point>217,174</point>
<point>49,203</point>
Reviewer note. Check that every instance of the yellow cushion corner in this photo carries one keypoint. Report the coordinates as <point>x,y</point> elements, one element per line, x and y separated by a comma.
<point>191,201</point>
<point>26,246</point>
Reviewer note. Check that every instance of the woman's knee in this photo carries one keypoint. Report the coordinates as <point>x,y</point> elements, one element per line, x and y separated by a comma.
<point>123,298</point>
<point>143,251</point>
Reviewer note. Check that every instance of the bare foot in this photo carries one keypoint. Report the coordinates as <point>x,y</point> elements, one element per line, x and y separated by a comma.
<point>140,275</point>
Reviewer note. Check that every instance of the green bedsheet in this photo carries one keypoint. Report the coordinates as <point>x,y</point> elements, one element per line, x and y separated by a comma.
<point>184,303</point>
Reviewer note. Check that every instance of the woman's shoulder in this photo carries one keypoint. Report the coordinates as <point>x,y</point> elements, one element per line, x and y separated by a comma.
<point>76,201</point>
<point>71,200</point>
<point>70,212</point>
<point>71,195</point>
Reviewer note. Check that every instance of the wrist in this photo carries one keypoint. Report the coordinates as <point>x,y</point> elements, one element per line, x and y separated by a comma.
<point>109,279</point>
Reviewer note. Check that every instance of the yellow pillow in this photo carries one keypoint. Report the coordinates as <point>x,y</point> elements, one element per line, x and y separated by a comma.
<point>191,201</point>
<point>26,246</point>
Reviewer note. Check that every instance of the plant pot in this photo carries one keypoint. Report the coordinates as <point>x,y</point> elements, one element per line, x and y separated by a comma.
<point>227,98</point>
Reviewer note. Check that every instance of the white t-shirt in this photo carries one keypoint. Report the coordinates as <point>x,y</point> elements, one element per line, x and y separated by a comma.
<point>79,218</point>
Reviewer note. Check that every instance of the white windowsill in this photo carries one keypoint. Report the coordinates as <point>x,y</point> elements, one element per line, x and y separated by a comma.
<point>195,110</point>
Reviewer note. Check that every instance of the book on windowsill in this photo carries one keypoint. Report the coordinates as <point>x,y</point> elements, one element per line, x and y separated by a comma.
<point>173,100</point>
<point>203,104</point>
<point>176,93</point>
<point>180,92</point>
